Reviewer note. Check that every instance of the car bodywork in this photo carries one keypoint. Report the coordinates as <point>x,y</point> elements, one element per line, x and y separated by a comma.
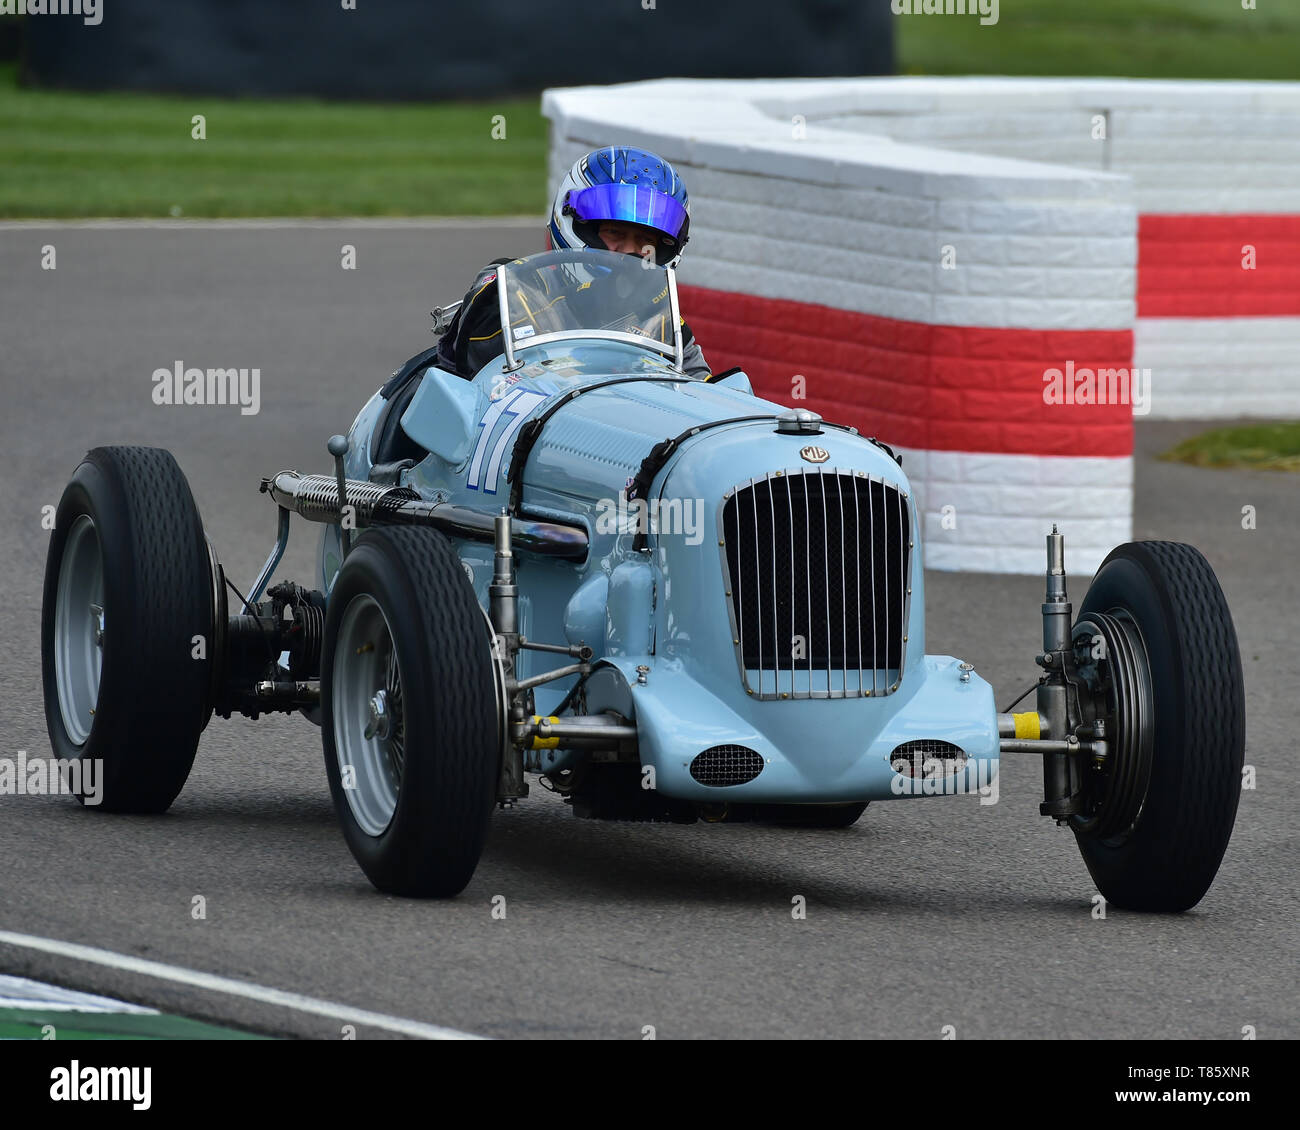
<point>654,597</point>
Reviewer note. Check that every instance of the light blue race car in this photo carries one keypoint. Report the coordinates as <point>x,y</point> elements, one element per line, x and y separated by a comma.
<point>664,597</point>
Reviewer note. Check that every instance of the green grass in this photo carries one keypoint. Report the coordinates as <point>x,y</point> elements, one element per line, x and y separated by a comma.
<point>1262,447</point>
<point>1210,39</point>
<point>65,154</point>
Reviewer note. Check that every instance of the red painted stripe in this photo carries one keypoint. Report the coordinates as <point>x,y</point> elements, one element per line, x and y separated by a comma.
<point>946,388</point>
<point>1192,266</point>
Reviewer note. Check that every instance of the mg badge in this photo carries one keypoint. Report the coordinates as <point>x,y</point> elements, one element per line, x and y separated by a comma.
<point>814,454</point>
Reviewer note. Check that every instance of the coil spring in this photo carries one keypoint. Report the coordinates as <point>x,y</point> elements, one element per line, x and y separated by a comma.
<point>307,641</point>
<point>317,497</point>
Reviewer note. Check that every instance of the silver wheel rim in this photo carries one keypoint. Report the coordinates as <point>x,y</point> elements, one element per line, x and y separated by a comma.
<point>79,629</point>
<point>369,721</point>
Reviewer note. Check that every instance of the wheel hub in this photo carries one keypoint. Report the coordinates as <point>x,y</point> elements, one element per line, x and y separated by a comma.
<point>381,722</point>
<point>1116,692</point>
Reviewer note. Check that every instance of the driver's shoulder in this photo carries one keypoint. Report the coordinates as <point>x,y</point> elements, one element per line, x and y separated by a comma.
<point>488,275</point>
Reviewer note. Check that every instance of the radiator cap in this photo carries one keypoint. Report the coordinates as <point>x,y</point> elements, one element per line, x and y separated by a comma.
<point>799,421</point>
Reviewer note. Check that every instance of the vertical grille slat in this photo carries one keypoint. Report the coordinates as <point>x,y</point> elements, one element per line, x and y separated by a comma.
<point>844,593</point>
<point>738,580</point>
<point>826,578</point>
<point>884,506</point>
<point>776,627</point>
<point>904,532</point>
<point>807,550</point>
<point>875,634</point>
<point>790,517</point>
<point>857,582</point>
<point>846,629</point>
<point>759,622</point>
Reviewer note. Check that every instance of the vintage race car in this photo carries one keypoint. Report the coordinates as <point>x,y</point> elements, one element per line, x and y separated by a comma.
<point>663,597</point>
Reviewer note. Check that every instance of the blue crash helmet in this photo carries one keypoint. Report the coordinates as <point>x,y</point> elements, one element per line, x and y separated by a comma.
<point>633,186</point>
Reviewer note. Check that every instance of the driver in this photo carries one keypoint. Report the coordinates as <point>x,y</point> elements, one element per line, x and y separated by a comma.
<point>618,199</point>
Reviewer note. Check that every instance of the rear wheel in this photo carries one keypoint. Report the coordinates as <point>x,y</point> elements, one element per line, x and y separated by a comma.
<point>411,719</point>
<point>128,628</point>
<point>1158,655</point>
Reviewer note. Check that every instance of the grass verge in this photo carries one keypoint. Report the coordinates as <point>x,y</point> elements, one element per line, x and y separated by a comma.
<point>1257,447</point>
<point>1205,39</point>
<point>65,154</point>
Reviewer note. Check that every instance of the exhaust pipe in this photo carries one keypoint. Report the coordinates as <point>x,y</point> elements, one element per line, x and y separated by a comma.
<point>316,498</point>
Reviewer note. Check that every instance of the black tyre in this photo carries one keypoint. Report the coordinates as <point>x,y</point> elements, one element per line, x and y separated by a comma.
<point>128,588</point>
<point>812,815</point>
<point>1169,684</point>
<point>411,713</point>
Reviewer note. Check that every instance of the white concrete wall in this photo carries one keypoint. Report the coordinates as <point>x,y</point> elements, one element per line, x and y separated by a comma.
<point>1189,147</point>
<point>1221,148</point>
<point>843,193</point>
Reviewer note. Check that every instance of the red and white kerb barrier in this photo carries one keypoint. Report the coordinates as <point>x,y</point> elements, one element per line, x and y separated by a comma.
<point>882,248</point>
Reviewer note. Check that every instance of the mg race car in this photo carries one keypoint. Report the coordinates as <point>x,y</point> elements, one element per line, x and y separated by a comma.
<point>659,596</point>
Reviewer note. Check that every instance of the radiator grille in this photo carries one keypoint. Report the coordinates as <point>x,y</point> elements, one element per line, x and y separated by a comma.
<point>818,566</point>
<point>722,765</point>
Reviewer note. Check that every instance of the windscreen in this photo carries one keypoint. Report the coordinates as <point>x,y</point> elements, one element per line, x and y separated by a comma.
<point>572,292</point>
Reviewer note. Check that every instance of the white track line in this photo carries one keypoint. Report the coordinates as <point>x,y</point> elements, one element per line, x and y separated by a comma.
<point>215,984</point>
<point>426,222</point>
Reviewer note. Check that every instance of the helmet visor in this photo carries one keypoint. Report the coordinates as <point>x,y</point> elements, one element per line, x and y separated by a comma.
<point>631,204</point>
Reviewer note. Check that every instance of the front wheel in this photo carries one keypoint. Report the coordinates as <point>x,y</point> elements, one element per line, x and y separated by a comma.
<point>1157,652</point>
<point>128,629</point>
<point>410,714</point>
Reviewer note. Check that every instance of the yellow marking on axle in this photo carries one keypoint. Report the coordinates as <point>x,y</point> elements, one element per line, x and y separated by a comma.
<point>544,743</point>
<point>1027,725</point>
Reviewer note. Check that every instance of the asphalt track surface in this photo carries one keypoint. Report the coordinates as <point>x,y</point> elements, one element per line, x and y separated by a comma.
<point>927,913</point>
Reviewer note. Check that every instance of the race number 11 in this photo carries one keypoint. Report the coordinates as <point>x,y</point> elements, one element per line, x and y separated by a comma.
<point>515,409</point>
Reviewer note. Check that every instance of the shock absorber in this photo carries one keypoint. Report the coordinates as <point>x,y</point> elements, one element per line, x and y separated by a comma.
<point>503,592</point>
<point>503,610</point>
<point>1053,700</point>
